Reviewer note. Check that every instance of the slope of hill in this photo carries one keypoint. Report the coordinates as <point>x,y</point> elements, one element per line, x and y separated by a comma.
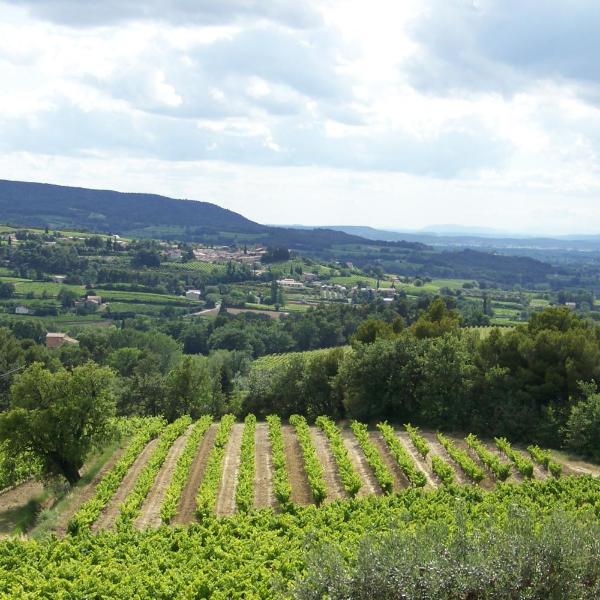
<point>148,215</point>
<point>154,216</point>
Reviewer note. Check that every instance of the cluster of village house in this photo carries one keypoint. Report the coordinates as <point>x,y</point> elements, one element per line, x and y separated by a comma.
<point>218,254</point>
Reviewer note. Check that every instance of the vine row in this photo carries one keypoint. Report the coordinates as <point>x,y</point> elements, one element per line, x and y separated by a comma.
<point>281,482</point>
<point>89,511</point>
<point>544,458</point>
<point>442,469</point>
<point>501,470</point>
<point>380,470</point>
<point>206,498</point>
<point>130,509</point>
<point>522,464</point>
<point>418,441</point>
<point>312,464</point>
<point>462,458</point>
<point>350,478</point>
<point>182,469</point>
<point>401,455</point>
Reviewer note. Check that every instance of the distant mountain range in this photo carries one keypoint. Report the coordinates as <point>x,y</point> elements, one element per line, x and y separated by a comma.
<point>154,216</point>
<point>147,215</point>
<point>450,236</point>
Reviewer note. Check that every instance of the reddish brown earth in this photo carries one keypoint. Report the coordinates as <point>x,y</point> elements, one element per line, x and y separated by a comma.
<point>186,511</point>
<point>231,464</point>
<point>361,466</point>
<point>301,493</point>
<point>110,513</point>
<point>333,483</point>
<point>263,476</point>
<point>150,511</point>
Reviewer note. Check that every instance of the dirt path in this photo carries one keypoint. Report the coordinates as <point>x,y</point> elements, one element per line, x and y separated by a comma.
<point>400,481</point>
<point>150,511</point>
<point>419,461</point>
<point>301,493</point>
<point>263,476</point>
<point>436,449</point>
<point>110,513</point>
<point>574,465</point>
<point>12,502</point>
<point>78,497</point>
<point>186,511</point>
<point>370,485</point>
<point>231,465</point>
<point>335,489</point>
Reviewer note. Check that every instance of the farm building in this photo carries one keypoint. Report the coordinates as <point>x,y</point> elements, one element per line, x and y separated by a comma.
<point>56,340</point>
<point>22,310</point>
<point>290,283</point>
<point>193,294</point>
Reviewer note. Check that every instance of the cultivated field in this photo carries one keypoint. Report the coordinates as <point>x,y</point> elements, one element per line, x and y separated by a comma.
<point>182,472</point>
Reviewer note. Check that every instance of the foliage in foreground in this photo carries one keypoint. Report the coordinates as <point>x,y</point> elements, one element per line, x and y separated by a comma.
<point>260,554</point>
<point>516,560</point>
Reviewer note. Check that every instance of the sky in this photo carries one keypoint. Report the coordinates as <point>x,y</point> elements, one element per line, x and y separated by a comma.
<point>393,114</point>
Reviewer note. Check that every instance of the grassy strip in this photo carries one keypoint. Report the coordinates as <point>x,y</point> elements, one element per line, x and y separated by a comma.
<point>380,470</point>
<point>182,470</point>
<point>442,469</point>
<point>130,509</point>
<point>501,470</point>
<point>402,457</point>
<point>281,482</point>
<point>89,511</point>
<point>418,441</point>
<point>522,464</point>
<point>244,493</point>
<point>544,458</point>
<point>312,464</point>
<point>206,499</point>
<point>350,478</point>
<point>471,469</point>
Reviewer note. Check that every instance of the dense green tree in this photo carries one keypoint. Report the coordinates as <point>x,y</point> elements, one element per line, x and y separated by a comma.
<point>60,417</point>
<point>436,320</point>
<point>188,389</point>
<point>582,431</point>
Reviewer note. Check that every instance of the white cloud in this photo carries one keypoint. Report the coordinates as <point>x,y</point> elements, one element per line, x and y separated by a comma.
<point>424,111</point>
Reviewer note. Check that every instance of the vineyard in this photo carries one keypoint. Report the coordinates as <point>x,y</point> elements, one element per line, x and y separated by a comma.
<point>327,485</point>
<point>184,472</point>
